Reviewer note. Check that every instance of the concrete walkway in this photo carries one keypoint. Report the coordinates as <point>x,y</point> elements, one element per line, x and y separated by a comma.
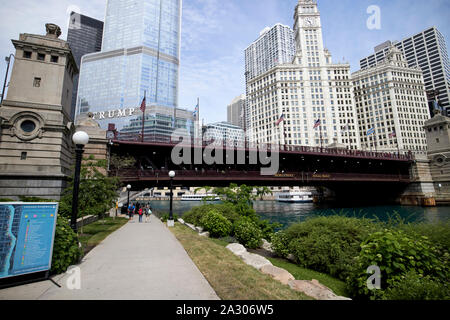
<point>138,261</point>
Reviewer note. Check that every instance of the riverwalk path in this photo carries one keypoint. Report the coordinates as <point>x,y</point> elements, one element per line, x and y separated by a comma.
<point>140,261</point>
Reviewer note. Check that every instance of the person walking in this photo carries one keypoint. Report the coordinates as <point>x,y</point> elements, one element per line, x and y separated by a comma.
<point>130,211</point>
<point>141,213</point>
<point>148,212</point>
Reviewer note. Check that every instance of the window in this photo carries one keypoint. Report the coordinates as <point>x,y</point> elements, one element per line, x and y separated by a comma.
<point>27,54</point>
<point>28,126</point>
<point>41,57</point>
<point>37,82</point>
<point>54,59</point>
<point>23,156</point>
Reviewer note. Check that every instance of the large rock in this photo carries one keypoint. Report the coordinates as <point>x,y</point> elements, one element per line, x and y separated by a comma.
<point>191,226</point>
<point>204,234</point>
<point>255,260</point>
<point>278,274</point>
<point>266,245</point>
<point>199,229</point>
<point>181,221</point>
<point>315,290</point>
<point>237,249</point>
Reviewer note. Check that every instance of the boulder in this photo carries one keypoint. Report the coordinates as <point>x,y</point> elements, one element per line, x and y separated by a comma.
<point>315,290</point>
<point>199,229</point>
<point>291,258</point>
<point>255,260</point>
<point>204,234</point>
<point>181,221</point>
<point>237,249</point>
<point>191,226</point>
<point>278,274</point>
<point>266,245</point>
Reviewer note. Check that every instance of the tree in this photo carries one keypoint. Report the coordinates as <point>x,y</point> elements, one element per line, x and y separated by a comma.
<point>121,162</point>
<point>262,191</point>
<point>97,193</point>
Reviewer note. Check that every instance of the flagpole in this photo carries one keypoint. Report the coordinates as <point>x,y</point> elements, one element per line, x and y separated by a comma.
<point>321,140</point>
<point>143,115</point>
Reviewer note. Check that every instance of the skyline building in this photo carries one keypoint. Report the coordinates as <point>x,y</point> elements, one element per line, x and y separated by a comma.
<point>235,111</point>
<point>391,104</point>
<point>224,133</point>
<point>427,50</point>
<point>84,36</point>
<point>308,101</point>
<point>139,58</point>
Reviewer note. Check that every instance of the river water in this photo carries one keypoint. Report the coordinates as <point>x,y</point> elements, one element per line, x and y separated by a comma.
<point>288,213</point>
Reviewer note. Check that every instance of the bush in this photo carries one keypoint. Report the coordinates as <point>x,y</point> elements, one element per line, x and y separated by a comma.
<point>415,287</point>
<point>324,244</point>
<point>217,225</point>
<point>166,216</point>
<point>66,251</point>
<point>194,215</point>
<point>396,254</point>
<point>7,200</point>
<point>248,233</point>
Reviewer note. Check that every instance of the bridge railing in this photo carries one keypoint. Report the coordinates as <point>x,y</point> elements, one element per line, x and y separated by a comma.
<point>165,141</point>
<point>136,174</point>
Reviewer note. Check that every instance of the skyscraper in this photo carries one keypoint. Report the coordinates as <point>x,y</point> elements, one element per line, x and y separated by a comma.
<point>140,57</point>
<point>426,50</point>
<point>391,104</point>
<point>84,36</point>
<point>307,101</point>
<point>235,111</point>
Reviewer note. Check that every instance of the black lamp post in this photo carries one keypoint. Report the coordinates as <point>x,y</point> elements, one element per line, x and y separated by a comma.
<point>8,61</point>
<point>170,222</point>
<point>80,139</point>
<point>128,201</point>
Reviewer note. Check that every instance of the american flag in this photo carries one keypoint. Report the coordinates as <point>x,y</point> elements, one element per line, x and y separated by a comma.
<point>280,120</point>
<point>317,123</point>
<point>392,134</point>
<point>143,104</point>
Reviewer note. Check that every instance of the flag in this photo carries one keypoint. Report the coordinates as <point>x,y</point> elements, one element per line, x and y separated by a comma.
<point>280,120</point>
<point>392,134</point>
<point>346,128</point>
<point>370,131</point>
<point>317,123</point>
<point>143,104</point>
<point>197,108</point>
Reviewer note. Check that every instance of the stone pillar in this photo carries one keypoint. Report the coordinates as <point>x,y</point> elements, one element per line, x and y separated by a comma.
<point>421,191</point>
<point>98,143</point>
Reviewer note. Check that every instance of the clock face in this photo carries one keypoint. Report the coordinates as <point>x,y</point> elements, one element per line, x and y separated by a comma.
<point>309,22</point>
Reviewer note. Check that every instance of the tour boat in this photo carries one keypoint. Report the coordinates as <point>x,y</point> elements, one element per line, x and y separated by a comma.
<point>200,197</point>
<point>297,197</point>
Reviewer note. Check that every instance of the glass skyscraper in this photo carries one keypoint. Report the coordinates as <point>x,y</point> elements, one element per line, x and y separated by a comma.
<point>140,55</point>
<point>84,36</point>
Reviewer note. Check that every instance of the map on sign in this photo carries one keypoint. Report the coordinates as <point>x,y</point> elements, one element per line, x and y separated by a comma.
<point>27,231</point>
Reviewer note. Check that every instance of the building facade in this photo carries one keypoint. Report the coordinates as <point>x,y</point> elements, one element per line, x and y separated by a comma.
<point>84,36</point>
<point>426,50</point>
<point>139,58</point>
<point>391,104</point>
<point>308,101</point>
<point>236,111</point>
<point>224,133</point>
<point>36,148</point>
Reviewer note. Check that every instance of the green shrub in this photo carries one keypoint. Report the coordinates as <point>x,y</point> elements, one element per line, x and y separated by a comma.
<point>217,225</point>
<point>194,215</point>
<point>166,216</point>
<point>414,287</point>
<point>248,233</point>
<point>396,254</point>
<point>325,244</point>
<point>7,200</point>
<point>66,251</point>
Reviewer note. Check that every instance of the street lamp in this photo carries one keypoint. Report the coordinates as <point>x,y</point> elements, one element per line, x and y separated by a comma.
<point>80,139</point>
<point>128,201</point>
<point>8,61</point>
<point>170,222</point>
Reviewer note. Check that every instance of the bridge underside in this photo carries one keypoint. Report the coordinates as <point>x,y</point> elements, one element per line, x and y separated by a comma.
<point>350,174</point>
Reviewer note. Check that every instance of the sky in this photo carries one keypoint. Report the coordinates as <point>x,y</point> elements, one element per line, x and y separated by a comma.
<point>215,34</point>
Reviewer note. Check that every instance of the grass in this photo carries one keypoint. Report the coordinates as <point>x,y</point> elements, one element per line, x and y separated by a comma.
<point>96,232</point>
<point>228,275</point>
<point>336,285</point>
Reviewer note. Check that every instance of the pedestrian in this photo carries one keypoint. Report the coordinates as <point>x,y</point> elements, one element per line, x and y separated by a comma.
<point>130,211</point>
<point>148,212</point>
<point>133,209</point>
<point>141,213</point>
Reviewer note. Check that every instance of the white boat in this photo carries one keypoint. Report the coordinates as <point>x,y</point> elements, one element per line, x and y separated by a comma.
<point>200,197</point>
<point>297,197</point>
